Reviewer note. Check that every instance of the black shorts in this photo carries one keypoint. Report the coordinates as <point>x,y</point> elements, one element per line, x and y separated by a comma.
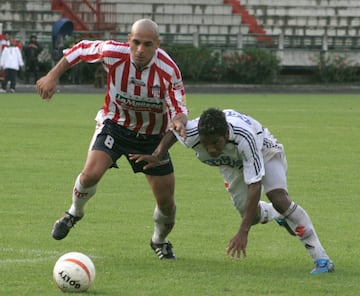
<point>117,140</point>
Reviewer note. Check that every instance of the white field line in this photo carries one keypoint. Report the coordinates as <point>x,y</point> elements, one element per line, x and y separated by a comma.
<point>26,255</point>
<point>29,255</point>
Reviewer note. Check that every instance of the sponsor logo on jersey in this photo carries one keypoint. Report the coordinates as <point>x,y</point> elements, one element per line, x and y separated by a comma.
<point>138,82</point>
<point>139,104</point>
<point>224,160</point>
<point>156,91</point>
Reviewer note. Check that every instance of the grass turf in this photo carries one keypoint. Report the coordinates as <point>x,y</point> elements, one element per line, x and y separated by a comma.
<point>43,148</point>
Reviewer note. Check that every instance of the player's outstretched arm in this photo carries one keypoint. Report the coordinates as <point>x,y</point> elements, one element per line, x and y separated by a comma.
<point>152,160</point>
<point>46,85</point>
<point>238,243</point>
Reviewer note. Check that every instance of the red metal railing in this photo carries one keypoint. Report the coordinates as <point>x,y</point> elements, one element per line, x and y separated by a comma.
<point>88,15</point>
<point>254,26</point>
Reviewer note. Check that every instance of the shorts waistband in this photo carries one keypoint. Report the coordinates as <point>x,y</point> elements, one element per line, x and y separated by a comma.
<point>131,133</point>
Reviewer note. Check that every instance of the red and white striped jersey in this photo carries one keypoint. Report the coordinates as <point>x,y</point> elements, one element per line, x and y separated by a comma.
<point>143,101</point>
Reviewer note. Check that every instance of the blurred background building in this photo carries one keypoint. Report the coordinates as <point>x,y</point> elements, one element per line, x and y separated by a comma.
<point>293,30</point>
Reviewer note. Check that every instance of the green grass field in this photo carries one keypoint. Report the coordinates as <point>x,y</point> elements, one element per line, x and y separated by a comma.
<point>43,147</point>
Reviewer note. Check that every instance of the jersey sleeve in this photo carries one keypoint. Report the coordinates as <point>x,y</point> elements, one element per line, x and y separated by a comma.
<point>253,163</point>
<point>192,135</point>
<point>247,133</point>
<point>176,97</point>
<point>86,51</point>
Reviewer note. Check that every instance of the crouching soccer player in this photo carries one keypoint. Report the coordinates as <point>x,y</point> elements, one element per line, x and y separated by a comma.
<point>249,158</point>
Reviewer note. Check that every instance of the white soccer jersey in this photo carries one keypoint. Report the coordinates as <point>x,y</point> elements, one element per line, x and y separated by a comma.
<point>249,145</point>
<point>142,101</point>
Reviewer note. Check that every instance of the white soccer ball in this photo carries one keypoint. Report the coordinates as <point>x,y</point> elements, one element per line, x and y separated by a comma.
<point>74,272</point>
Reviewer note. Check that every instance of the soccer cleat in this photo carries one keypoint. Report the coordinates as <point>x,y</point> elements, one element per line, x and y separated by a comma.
<point>163,251</point>
<point>282,222</point>
<point>323,266</point>
<point>63,225</point>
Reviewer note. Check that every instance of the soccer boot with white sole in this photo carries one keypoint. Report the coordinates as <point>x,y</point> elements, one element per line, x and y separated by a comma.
<point>282,222</point>
<point>163,251</point>
<point>323,266</point>
<point>63,225</point>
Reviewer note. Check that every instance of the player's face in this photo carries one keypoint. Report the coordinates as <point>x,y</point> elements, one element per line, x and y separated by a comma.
<point>143,46</point>
<point>214,145</point>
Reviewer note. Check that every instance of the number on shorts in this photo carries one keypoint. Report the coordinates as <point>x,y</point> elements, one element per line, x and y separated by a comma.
<point>109,141</point>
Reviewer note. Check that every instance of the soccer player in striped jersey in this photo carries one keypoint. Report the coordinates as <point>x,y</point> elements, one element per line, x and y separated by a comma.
<point>249,158</point>
<point>145,96</point>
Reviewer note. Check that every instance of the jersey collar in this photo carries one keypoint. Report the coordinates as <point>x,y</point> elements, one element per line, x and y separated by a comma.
<point>152,61</point>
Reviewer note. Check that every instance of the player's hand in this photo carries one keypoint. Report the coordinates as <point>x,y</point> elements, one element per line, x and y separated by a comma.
<point>151,160</point>
<point>46,87</point>
<point>237,246</point>
<point>178,127</point>
<point>177,124</point>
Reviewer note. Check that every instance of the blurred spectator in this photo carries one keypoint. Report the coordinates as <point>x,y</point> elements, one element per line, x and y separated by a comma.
<point>32,50</point>
<point>76,70</point>
<point>18,44</point>
<point>11,61</point>
<point>5,41</point>
<point>99,77</point>
<point>2,81</point>
<point>76,73</point>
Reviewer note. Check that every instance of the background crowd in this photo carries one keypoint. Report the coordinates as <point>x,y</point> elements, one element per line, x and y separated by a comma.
<point>16,58</point>
<point>28,61</point>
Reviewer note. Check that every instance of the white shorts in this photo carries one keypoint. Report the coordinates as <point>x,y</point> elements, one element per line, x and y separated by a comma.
<point>275,178</point>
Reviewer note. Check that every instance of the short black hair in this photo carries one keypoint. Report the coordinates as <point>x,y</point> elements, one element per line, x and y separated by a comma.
<point>212,122</point>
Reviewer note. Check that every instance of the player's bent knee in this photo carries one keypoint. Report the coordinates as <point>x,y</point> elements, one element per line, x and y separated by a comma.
<point>89,180</point>
<point>280,199</point>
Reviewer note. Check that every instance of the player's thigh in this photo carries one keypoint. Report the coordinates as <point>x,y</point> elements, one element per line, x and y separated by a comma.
<point>97,163</point>
<point>163,190</point>
<point>275,173</point>
<point>235,186</point>
<point>275,183</point>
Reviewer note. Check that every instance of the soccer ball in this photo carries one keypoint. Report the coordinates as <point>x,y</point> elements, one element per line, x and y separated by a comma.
<point>74,272</point>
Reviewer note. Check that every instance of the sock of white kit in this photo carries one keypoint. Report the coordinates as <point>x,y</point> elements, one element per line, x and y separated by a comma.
<point>300,222</point>
<point>267,212</point>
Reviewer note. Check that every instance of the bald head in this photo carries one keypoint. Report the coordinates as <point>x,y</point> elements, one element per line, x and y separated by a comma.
<point>144,41</point>
<point>145,26</point>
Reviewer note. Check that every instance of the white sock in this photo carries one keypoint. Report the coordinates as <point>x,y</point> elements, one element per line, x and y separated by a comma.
<point>80,197</point>
<point>267,212</point>
<point>300,222</point>
<point>162,226</point>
